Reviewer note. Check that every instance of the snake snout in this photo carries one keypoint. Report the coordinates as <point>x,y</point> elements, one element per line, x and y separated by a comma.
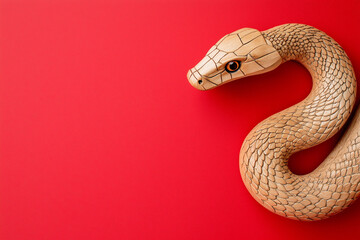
<point>195,79</point>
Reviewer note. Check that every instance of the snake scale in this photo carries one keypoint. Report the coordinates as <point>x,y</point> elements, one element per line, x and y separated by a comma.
<point>264,155</point>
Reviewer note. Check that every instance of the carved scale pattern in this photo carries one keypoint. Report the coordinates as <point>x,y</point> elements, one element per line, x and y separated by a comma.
<point>263,158</point>
<point>335,184</point>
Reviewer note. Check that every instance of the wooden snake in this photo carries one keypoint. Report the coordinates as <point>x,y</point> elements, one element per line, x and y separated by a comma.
<point>335,183</point>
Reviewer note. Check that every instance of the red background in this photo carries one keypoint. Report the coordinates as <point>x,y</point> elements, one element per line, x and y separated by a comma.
<point>102,137</point>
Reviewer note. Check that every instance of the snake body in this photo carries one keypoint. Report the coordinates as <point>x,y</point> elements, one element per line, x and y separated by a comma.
<point>335,183</point>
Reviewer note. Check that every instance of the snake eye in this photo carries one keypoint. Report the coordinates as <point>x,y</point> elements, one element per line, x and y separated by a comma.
<point>232,66</point>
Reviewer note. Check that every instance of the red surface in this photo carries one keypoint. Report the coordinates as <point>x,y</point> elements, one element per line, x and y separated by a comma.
<point>102,137</point>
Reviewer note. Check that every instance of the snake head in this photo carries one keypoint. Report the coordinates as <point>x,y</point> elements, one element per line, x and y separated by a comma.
<point>242,53</point>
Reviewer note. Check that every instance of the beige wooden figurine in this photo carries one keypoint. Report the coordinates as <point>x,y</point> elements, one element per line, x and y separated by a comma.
<point>335,184</point>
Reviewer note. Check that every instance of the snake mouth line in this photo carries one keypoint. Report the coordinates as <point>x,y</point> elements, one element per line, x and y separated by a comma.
<point>209,81</point>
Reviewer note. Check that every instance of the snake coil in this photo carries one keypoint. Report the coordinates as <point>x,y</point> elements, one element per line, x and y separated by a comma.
<point>333,185</point>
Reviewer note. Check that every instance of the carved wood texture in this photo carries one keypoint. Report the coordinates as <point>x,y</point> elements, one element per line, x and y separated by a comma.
<point>335,184</point>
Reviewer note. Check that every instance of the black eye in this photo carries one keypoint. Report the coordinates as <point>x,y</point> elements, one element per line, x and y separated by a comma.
<point>232,66</point>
